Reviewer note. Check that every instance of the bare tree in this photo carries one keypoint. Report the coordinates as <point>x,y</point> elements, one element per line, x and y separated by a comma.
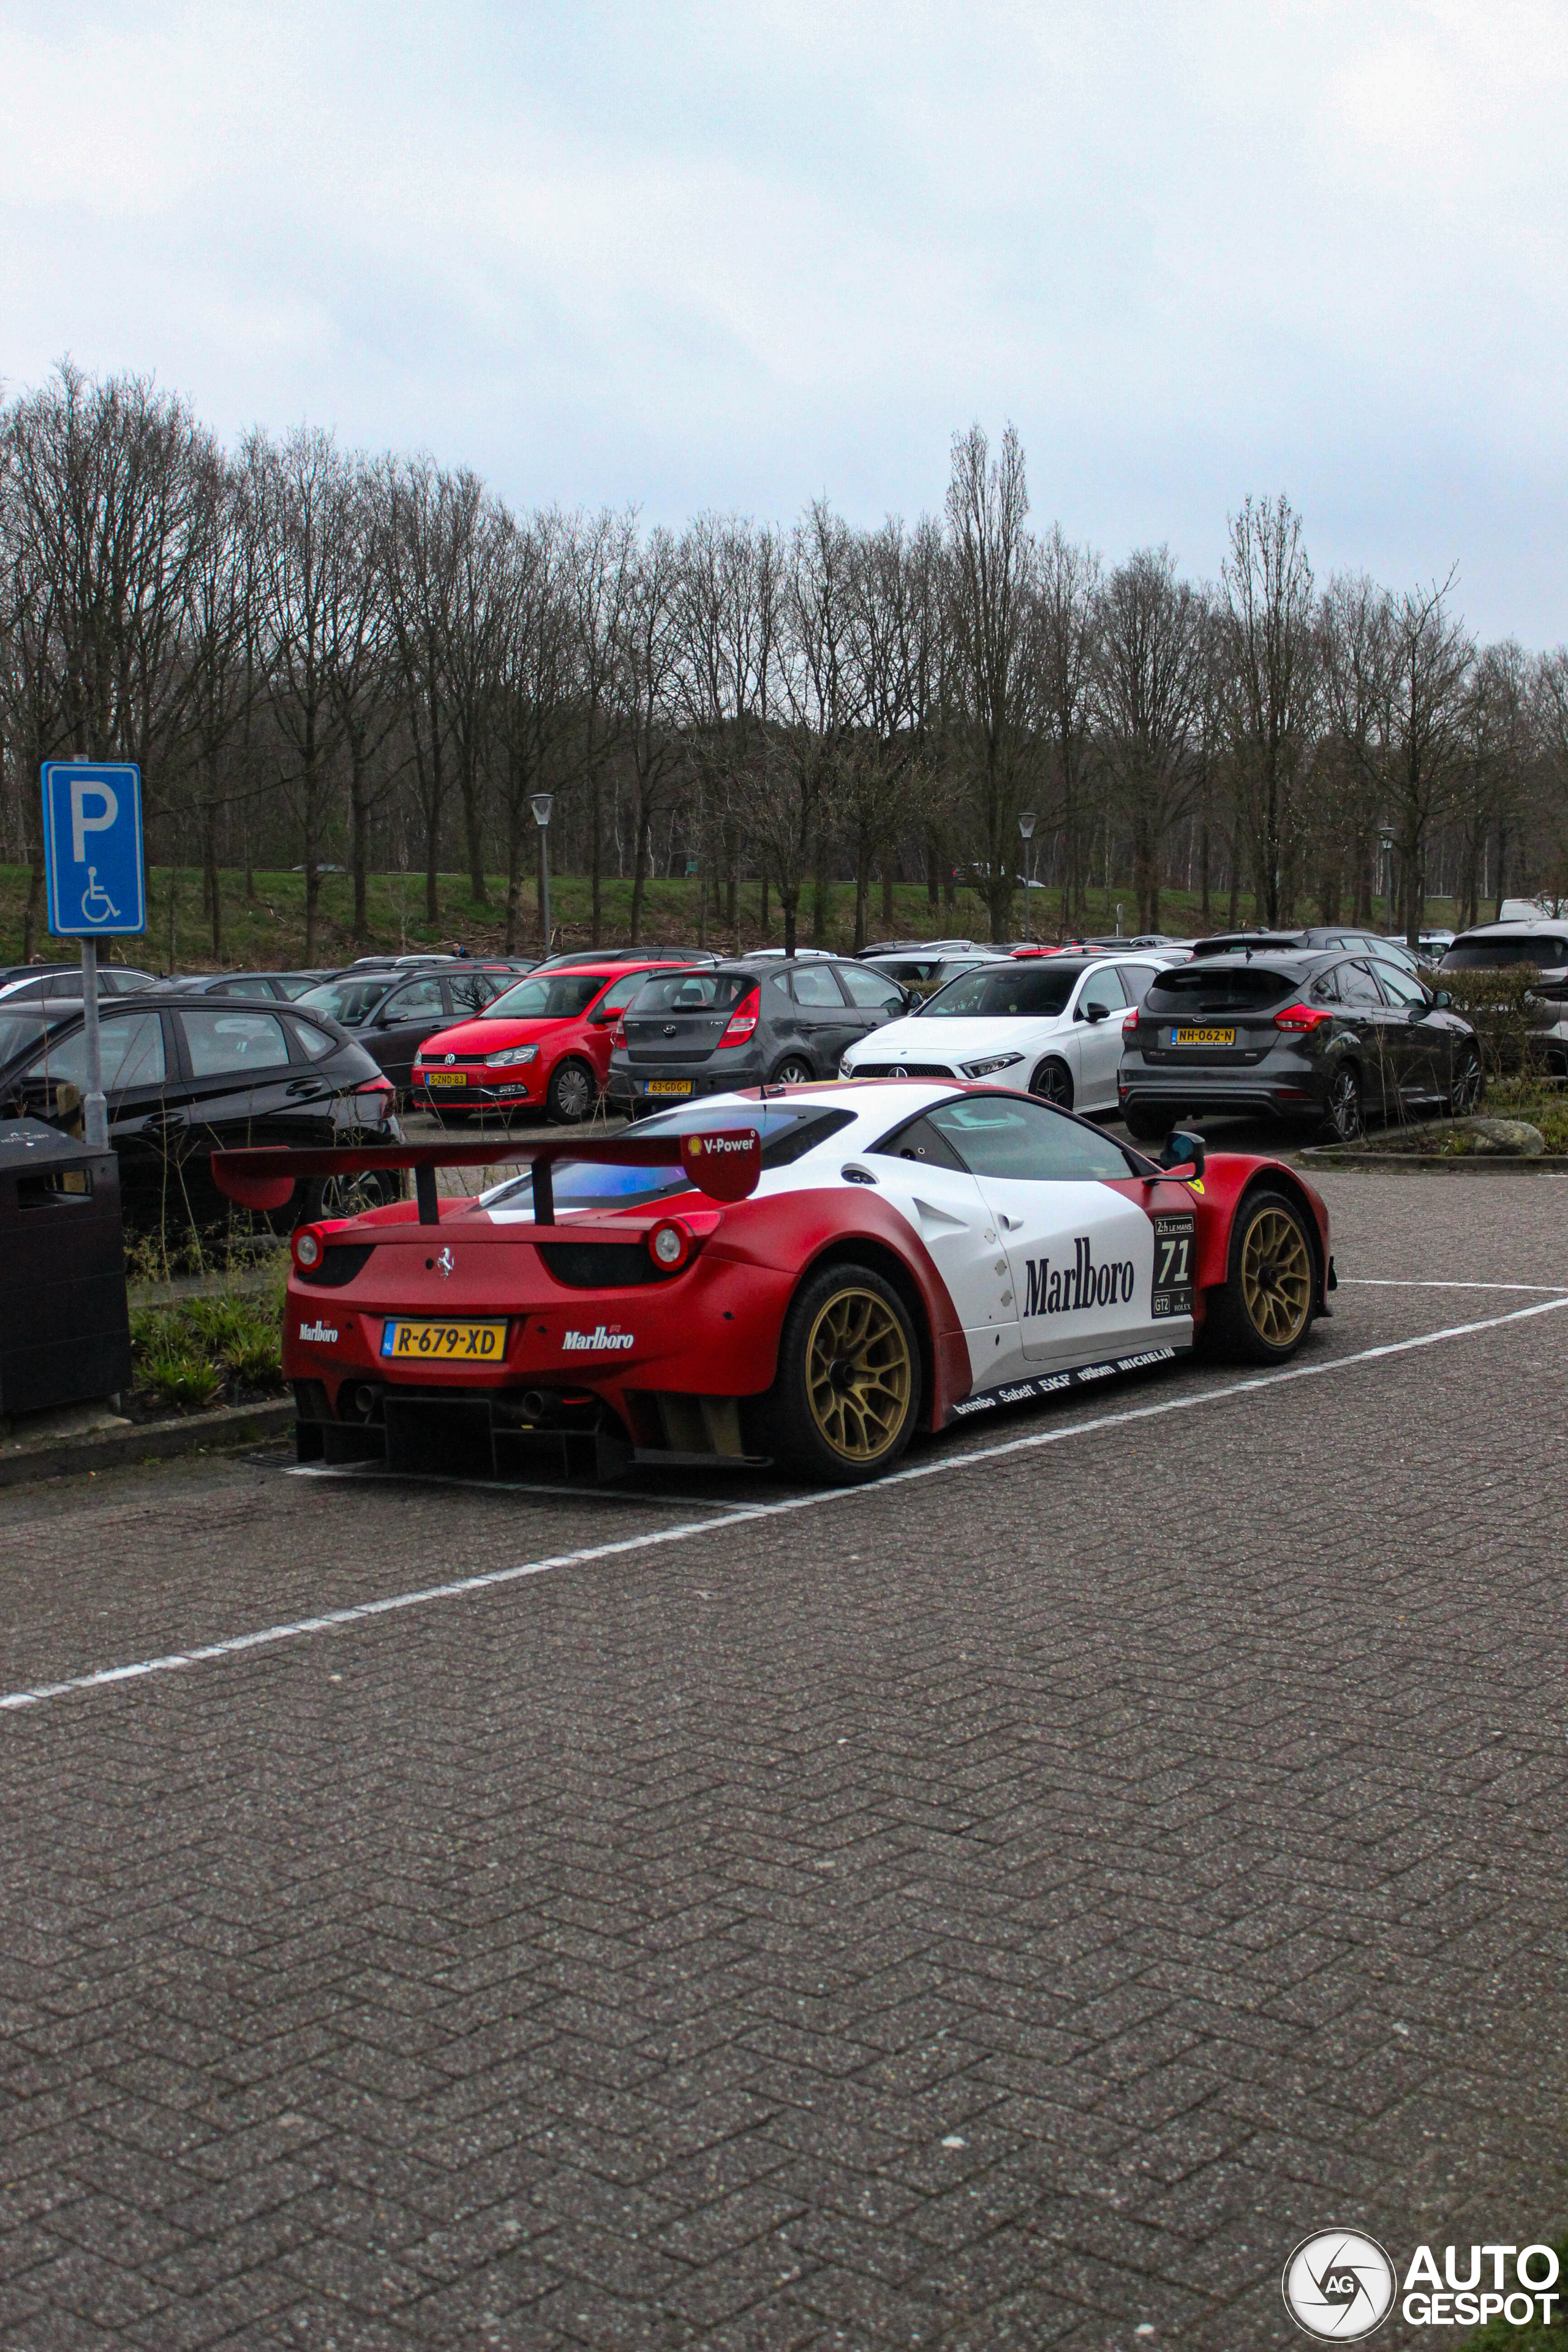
<point>646,686</point>
<point>1149,687</point>
<point>1430,658</point>
<point>534,706</point>
<point>1068,584</point>
<point>991,582</point>
<point>1269,610</point>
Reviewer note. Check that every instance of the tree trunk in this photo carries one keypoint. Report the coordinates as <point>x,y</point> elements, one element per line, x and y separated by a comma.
<point>862,896</point>
<point>432,861</point>
<point>596,859</point>
<point>359,843</point>
<point>933,875</point>
<point>639,870</point>
<point>791,908</point>
<point>763,915</point>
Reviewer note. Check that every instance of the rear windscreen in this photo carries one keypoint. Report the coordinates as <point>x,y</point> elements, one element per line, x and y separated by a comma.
<point>1497,955</point>
<point>787,1131</point>
<point>1220,987</point>
<point>695,991</point>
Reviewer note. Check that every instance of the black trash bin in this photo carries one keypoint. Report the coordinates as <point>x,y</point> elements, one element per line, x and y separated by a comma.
<point>65,1329</point>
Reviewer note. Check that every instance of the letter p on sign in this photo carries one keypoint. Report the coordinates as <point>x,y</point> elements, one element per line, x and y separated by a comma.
<point>107,802</point>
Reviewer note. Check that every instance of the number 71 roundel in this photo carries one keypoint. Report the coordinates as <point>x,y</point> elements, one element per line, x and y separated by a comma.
<point>1175,1245</point>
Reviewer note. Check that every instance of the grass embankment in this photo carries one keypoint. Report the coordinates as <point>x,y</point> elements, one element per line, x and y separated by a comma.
<point>198,1353</point>
<point>267,931</point>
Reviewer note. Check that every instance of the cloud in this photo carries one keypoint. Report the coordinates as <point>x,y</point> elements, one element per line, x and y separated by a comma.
<point>701,257</point>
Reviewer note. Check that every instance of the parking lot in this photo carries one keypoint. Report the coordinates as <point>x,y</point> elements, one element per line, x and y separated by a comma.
<point>1009,1906</point>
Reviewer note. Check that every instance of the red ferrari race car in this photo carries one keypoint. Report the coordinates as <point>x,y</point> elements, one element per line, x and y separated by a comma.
<point>808,1277</point>
<point>544,1045</point>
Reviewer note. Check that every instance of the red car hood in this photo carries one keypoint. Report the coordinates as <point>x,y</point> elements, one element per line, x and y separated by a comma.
<point>486,1036</point>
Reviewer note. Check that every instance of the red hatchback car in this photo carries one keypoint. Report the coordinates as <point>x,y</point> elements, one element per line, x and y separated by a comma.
<point>543,1045</point>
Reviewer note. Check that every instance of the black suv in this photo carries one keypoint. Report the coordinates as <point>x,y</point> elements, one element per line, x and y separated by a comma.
<point>744,1024</point>
<point>185,1075</point>
<point>1323,1038</point>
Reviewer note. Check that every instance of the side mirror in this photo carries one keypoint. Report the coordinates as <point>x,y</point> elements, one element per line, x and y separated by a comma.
<point>1441,1001</point>
<point>1183,1149</point>
<point>1096,1013</point>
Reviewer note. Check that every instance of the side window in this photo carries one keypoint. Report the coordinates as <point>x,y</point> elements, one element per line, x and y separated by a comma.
<point>222,1043</point>
<point>421,1000</point>
<point>1357,985</point>
<point>920,1140</point>
<point>869,989</point>
<point>995,1135</point>
<point>312,1042</point>
<point>248,988</point>
<point>1137,979</point>
<point>814,984</point>
<point>1103,986</point>
<point>131,1053</point>
<point>621,993</point>
<point>1325,989</point>
<point>470,990</point>
<point>1400,989</point>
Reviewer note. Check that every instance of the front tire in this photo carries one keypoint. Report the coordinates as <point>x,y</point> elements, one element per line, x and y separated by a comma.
<point>1266,1308</point>
<point>846,1395</point>
<point>1466,1081</point>
<point>574,1090</point>
<point>1052,1082</point>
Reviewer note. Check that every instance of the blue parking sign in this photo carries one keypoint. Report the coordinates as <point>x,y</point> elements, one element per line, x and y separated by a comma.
<point>92,848</point>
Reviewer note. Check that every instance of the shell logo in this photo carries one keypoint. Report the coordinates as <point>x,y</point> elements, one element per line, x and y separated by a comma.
<point>694,1145</point>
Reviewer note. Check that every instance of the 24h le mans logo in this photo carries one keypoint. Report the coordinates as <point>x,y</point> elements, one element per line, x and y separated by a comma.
<point>1339,2286</point>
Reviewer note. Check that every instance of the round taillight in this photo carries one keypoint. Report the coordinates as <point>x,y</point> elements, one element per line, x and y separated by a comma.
<point>670,1246</point>
<point>307,1248</point>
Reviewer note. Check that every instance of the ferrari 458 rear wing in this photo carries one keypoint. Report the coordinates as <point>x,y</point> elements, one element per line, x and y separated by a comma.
<point>723,1162</point>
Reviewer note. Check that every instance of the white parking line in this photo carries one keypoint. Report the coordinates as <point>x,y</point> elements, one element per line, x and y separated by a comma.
<point>947,1465</point>
<point>1390,1282</point>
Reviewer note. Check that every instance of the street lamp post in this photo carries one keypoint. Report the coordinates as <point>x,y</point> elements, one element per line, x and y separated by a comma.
<point>1385,843</point>
<point>1027,828</point>
<point>541,806</point>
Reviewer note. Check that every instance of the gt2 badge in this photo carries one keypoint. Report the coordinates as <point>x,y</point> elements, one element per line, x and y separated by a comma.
<point>1175,1247</point>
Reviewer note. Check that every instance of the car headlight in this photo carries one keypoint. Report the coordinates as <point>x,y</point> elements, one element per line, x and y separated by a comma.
<point>993,1062</point>
<point>511,1057</point>
<point>845,1067</point>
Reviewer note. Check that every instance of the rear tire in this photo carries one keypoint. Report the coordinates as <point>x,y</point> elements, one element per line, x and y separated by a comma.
<point>1265,1311</point>
<point>572,1092</point>
<point>1052,1082</point>
<point>793,1071</point>
<point>1146,1126</point>
<point>1343,1120</point>
<point>847,1396</point>
<point>347,1196</point>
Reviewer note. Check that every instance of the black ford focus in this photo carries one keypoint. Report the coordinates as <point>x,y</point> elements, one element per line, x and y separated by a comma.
<point>1325,1039</point>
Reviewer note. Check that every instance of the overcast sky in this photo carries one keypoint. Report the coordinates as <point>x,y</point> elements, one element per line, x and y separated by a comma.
<point>732,256</point>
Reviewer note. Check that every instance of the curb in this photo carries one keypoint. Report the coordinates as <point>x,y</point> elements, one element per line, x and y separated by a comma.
<point>1416,1163</point>
<point>213,1433</point>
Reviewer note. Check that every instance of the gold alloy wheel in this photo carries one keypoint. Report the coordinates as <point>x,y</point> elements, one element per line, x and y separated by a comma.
<point>1275,1278</point>
<point>858,1374</point>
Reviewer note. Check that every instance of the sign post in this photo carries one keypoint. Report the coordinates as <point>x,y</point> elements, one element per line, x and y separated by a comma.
<point>93,864</point>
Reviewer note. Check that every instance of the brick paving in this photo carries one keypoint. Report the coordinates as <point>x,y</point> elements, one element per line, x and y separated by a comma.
<point>1004,1910</point>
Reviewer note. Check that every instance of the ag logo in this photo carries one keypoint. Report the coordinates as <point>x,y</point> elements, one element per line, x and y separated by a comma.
<point>898,1071</point>
<point>448,1059</point>
<point>1339,2286</point>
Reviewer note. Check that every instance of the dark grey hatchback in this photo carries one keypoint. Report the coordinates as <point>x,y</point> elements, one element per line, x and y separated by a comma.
<point>744,1024</point>
<point>1326,1039</point>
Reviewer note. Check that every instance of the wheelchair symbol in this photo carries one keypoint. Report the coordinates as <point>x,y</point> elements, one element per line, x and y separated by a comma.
<point>97,905</point>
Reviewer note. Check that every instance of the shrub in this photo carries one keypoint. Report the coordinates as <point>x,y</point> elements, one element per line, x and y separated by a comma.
<point>1503,1012</point>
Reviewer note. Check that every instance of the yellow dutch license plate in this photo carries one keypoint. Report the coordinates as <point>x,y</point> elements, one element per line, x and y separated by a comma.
<point>443,1343</point>
<point>1202,1037</point>
<point>446,1077</point>
<point>670,1085</point>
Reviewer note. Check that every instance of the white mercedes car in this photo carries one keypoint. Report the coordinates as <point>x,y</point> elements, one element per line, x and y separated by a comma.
<point>1048,1026</point>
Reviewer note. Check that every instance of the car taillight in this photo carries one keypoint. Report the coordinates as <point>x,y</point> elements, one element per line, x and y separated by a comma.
<point>1303,1017</point>
<point>307,1248</point>
<point>744,1020</point>
<point>378,1095</point>
<point>1129,1021</point>
<point>618,1034</point>
<point>670,1245</point>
